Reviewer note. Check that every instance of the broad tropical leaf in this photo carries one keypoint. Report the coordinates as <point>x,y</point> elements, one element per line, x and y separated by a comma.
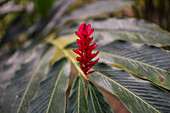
<point>52,90</point>
<point>36,77</point>
<point>147,62</point>
<point>134,103</point>
<point>96,101</point>
<point>77,101</point>
<point>156,97</point>
<point>25,79</point>
<point>93,9</point>
<point>137,31</point>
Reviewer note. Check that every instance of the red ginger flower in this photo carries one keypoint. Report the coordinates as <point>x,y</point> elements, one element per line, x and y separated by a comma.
<point>85,49</point>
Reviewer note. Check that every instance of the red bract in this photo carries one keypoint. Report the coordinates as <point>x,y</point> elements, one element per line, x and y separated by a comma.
<point>85,49</point>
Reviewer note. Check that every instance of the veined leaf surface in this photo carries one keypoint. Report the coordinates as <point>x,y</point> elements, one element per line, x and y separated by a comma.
<point>138,31</point>
<point>26,79</point>
<point>93,9</point>
<point>33,84</point>
<point>77,101</point>
<point>96,101</point>
<point>156,97</point>
<point>51,96</point>
<point>22,74</point>
<point>133,30</point>
<point>147,62</point>
<point>134,103</point>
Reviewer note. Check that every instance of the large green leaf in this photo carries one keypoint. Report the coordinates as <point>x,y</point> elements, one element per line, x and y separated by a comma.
<point>33,84</point>
<point>134,103</point>
<point>133,30</point>
<point>96,8</point>
<point>145,61</point>
<point>51,95</point>
<point>155,96</point>
<point>96,101</point>
<point>25,79</point>
<point>77,101</point>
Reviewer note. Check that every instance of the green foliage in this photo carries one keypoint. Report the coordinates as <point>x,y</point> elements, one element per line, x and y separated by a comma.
<point>114,80</point>
<point>134,103</point>
<point>44,76</point>
<point>77,101</point>
<point>51,94</point>
<point>145,61</point>
<point>137,31</point>
<point>96,101</point>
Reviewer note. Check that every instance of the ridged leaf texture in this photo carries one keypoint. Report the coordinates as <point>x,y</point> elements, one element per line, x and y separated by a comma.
<point>150,93</point>
<point>145,61</point>
<point>77,101</point>
<point>138,31</point>
<point>50,97</point>
<point>93,9</point>
<point>96,101</point>
<point>37,79</point>
<point>25,79</point>
<point>134,103</point>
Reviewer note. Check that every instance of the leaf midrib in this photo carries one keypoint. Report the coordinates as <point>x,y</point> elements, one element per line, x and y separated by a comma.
<point>31,80</point>
<point>54,89</point>
<point>127,91</point>
<point>78,95</point>
<point>92,91</point>
<point>129,59</point>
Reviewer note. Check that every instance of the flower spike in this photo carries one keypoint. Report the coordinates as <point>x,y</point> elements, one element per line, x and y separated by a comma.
<point>85,49</point>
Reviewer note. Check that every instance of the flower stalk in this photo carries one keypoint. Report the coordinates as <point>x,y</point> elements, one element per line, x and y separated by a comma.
<point>85,49</point>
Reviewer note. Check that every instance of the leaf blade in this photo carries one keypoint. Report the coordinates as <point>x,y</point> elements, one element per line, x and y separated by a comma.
<point>137,31</point>
<point>139,62</point>
<point>54,91</point>
<point>77,102</point>
<point>153,95</point>
<point>96,101</point>
<point>115,88</point>
<point>89,10</point>
<point>35,80</point>
<point>22,73</point>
